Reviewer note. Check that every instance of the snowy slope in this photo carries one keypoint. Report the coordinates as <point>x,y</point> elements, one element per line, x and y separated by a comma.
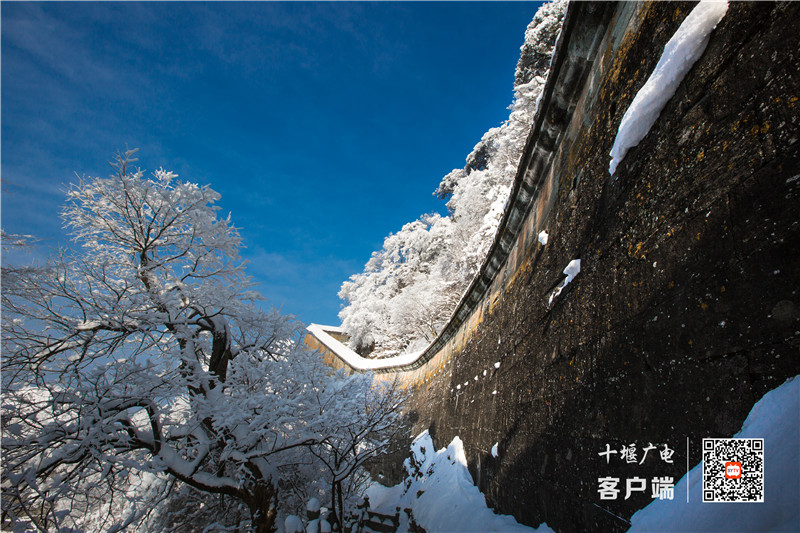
<point>440,492</point>
<point>776,419</point>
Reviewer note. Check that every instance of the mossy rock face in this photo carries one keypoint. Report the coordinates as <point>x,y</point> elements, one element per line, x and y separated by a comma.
<point>685,311</point>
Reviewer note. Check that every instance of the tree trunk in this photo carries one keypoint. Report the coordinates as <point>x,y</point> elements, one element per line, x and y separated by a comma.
<point>333,516</point>
<point>263,509</point>
<point>341,502</point>
<point>263,521</point>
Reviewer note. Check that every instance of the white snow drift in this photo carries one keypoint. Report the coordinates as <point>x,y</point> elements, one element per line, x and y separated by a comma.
<point>440,493</point>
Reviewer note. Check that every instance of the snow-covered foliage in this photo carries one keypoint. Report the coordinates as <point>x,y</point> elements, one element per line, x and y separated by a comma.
<point>10,240</point>
<point>391,302</point>
<point>146,354</point>
<point>175,506</point>
<point>680,53</point>
<point>410,287</point>
<point>439,491</point>
<point>773,418</point>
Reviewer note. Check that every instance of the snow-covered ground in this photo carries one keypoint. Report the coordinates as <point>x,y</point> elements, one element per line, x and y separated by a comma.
<point>440,493</point>
<point>776,419</point>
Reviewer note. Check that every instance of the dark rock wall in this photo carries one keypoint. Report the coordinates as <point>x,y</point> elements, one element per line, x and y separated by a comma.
<point>685,311</point>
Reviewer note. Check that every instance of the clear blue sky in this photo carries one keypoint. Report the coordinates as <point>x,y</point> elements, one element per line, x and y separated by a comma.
<point>325,126</point>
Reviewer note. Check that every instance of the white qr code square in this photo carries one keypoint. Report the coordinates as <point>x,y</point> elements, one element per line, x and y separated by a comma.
<point>733,470</point>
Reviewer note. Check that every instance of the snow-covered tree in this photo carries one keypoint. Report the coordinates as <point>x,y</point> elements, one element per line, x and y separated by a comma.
<point>391,306</point>
<point>145,353</point>
<point>410,287</point>
<point>367,434</point>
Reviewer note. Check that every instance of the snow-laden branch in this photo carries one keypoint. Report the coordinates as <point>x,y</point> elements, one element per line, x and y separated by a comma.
<point>144,352</point>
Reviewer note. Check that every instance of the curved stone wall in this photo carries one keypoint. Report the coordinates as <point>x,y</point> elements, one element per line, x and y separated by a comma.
<point>685,311</point>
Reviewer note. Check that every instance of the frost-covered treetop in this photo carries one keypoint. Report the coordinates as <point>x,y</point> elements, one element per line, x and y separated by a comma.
<point>144,352</point>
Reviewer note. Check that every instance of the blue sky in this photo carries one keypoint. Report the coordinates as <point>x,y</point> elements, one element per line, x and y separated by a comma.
<point>325,126</point>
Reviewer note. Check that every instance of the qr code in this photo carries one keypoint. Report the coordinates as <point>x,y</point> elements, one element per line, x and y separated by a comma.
<point>733,470</point>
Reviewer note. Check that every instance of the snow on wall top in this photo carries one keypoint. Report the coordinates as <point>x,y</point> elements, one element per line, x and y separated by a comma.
<point>352,358</point>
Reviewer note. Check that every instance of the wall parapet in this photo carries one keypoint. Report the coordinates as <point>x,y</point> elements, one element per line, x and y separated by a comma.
<point>581,36</point>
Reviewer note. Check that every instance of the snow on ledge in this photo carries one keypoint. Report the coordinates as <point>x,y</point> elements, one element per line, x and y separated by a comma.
<point>543,237</point>
<point>680,54</point>
<point>572,270</point>
<point>352,358</point>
